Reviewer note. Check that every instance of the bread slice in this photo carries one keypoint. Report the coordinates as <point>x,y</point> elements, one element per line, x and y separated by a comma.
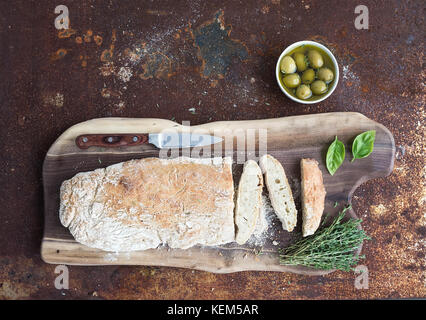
<point>261,224</point>
<point>249,201</point>
<point>140,204</point>
<point>279,191</point>
<point>313,196</point>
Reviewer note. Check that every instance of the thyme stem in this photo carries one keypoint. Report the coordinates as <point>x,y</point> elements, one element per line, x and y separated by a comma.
<point>331,247</point>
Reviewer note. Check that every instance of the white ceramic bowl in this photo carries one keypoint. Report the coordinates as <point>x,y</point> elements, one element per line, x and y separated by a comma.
<point>315,44</point>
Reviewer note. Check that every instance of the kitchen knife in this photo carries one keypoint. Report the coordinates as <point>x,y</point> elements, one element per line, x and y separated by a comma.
<point>160,140</point>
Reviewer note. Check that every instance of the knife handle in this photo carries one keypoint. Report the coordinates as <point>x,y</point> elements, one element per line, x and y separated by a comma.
<point>110,140</point>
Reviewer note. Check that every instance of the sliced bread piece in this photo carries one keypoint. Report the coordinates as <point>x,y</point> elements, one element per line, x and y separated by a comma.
<point>249,201</point>
<point>313,196</point>
<point>261,224</point>
<point>279,191</point>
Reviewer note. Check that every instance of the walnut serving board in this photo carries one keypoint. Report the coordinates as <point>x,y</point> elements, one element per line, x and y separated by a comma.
<point>287,139</point>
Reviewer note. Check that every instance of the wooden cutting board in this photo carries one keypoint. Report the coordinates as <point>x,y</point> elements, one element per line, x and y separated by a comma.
<point>288,139</point>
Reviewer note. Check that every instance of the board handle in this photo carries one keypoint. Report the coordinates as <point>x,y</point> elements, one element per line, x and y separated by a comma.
<point>85,141</point>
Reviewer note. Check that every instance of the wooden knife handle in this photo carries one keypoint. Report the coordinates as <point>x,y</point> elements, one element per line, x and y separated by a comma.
<point>110,140</point>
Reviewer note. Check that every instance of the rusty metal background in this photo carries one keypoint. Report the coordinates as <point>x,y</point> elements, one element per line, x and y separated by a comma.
<point>204,61</point>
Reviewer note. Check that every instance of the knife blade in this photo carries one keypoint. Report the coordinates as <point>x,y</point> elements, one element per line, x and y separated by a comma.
<point>167,140</point>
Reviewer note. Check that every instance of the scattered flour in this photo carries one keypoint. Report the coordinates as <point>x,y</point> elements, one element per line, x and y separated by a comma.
<point>349,76</point>
<point>263,229</point>
<point>56,100</point>
<point>111,257</point>
<point>125,73</point>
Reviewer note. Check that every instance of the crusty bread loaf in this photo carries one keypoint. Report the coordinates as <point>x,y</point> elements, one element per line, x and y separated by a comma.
<point>313,196</point>
<point>279,191</point>
<point>249,201</point>
<point>140,204</point>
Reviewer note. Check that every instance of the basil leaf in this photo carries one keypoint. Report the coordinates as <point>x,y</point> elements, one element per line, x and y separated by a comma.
<point>335,156</point>
<point>363,145</point>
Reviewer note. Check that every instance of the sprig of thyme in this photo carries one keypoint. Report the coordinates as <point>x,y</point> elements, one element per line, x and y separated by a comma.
<point>331,247</point>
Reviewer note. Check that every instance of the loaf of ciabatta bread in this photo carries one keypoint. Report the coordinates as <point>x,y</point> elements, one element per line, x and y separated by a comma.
<point>140,204</point>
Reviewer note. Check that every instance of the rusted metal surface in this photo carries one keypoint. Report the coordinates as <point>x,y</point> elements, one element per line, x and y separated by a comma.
<point>204,61</point>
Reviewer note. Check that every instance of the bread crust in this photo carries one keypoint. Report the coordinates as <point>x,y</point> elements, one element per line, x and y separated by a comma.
<point>313,196</point>
<point>140,204</point>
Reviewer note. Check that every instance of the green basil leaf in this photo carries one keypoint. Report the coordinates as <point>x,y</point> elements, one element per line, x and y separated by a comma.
<point>335,156</point>
<point>363,144</point>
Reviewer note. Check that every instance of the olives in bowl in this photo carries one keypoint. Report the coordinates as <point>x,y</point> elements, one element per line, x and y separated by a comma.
<point>325,74</point>
<point>291,80</point>
<point>318,87</point>
<point>307,72</point>
<point>288,65</point>
<point>303,92</point>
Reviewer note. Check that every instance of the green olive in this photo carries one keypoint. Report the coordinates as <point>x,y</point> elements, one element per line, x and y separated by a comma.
<point>308,76</point>
<point>301,61</point>
<point>291,80</point>
<point>288,65</point>
<point>325,74</point>
<point>318,87</point>
<point>303,92</point>
<point>315,59</point>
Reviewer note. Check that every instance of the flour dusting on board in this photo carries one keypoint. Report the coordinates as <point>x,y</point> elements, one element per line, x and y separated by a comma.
<point>263,230</point>
<point>111,257</point>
